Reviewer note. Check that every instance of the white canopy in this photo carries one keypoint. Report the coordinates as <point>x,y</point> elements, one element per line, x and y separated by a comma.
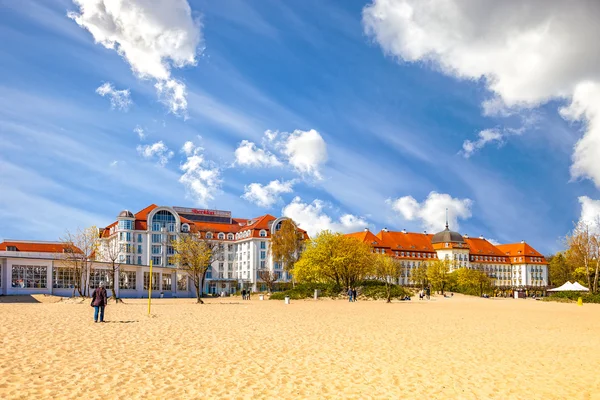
<point>580,287</point>
<point>566,287</point>
<point>570,287</point>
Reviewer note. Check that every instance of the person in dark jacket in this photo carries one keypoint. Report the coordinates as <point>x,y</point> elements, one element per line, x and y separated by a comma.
<point>99,300</point>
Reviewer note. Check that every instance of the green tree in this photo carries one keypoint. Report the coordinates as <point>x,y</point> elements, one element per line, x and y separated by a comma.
<point>388,270</point>
<point>472,281</point>
<point>584,253</point>
<point>419,275</point>
<point>438,274</point>
<point>559,270</point>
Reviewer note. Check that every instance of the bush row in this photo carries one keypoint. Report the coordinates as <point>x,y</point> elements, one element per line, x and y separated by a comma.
<point>367,289</point>
<point>587,297</point>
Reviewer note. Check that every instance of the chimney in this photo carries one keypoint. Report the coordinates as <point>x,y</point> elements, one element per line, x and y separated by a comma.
<point>466,236</point>
<point>403,230</point>
<point>385,229</point>
<point>425,232</point>
<point>522,241</point>
<point>366,229</point>
<point>481,237</point>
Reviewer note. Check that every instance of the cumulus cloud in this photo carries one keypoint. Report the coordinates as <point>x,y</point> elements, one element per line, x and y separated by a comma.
<point>312,218</point>
<point>267,195</point>
<point>306,151</point>
<point>590,212</point>
<point>152,37</point>
<point>528,53</point>
<point>119,99</point>
<point>432,211</point>
<point>140,132</point>
<point>201,178</point>
<point>485,136</point>
<point>249,155</point>
<point>158,151</point>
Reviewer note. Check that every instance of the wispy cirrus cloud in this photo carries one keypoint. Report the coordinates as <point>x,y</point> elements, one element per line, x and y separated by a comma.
<point>119,99</point>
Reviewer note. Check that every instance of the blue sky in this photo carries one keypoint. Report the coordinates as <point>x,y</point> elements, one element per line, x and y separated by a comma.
<point>392,128</point>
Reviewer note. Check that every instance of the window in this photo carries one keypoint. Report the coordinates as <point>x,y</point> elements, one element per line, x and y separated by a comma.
<point>139,239</point>
<point>182,282</point>
<point>157,238</point>
<point>221,236</point>
<point>127,280</point>
<point>99,275</point>
<point>402,253</point>
<point>155,278</point>
<point>230,236</point>
<point>263,233</point>
<point>263,255</point>
<point>229,266</point>
<point>209,235</point>
<point>29,276</point>
<point>156,260</point>
<point>262,265</point>
<point>139,249</point>
<point>163,219</point>
<point>209,273</point>
<point>230,247</point>
<point>139,260</point>
<point>396,253</point>
<point>127,259</point>
<point>167,282</point>
<point>64,278</point>
<point>156,249</point>
<point>185,228</point>
<point>263,245</point>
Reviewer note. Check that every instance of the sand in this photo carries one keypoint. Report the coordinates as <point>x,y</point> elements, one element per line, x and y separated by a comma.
<point>464,347</point>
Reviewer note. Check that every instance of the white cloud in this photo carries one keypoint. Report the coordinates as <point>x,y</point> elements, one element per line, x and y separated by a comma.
<point>119,99</point>
<point>201,179</point>
<point>140,132</point>
<point>247,154</point>
<point>528,52</point>
<point>432,211</point>
<point>313,219</point>
<point>306,151</point>
<point>114,163</point>
<point>485,136</point>
<point>152,37</point>
<point>267,195</point>
<point>590,211</point>
<point>493,241</point>
<point>156,150</point>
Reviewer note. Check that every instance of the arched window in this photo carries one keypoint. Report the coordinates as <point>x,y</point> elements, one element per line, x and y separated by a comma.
<point>185,228</point>
<point>164,219</point>
<point>230,236</point>
<point>221,236</point>
<point>209,235</point>
<point>263,233</point>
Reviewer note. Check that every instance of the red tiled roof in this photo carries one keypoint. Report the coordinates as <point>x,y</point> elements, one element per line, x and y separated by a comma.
<point>521,250</point>
<point>367,237</point>
<point>483,247</point>
<point>409,241</point>
<point>34,247</point>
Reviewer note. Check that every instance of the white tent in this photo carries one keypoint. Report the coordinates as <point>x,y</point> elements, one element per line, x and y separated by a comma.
<point>579,287</point>
<point>566,287</point>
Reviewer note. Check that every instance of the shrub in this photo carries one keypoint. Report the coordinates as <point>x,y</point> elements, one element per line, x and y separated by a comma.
<point>307,291</point>
<point>376,290</point>
<point>587,297</point>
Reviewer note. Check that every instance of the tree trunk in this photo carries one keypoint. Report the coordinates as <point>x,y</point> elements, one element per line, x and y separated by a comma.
<point>199,289</point>
<point>595,288</point>
<point>389,293</point>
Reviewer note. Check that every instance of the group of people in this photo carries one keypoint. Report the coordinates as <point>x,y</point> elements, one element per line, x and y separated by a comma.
<point>425,293</point>
<point>351,295</point>
<point>246,294</point>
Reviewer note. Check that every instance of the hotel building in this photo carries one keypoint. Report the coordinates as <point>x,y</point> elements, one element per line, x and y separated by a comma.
<point>28,267</point>
<point>515,265</point>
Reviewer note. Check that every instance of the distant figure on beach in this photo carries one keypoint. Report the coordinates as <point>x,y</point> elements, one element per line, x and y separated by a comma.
<point>99,300</point>
<point>353,294</point>
<point>428,293</point>
<point>350,295</point>
<point>421,294</point>
<point>243,294</point>
<point>248,294</point>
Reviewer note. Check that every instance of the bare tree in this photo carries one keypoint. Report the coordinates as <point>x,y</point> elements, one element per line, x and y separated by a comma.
<point>194,255</point>
<point>79,250</point>
<point>112,251</point>
<point>286,245</point>
<point>584,251</point>
<point>268,277</point>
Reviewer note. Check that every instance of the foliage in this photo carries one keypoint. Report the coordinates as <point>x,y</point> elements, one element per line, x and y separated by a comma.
<point>286,245</point>
<point>438,274</point>
<point>379,290</point>
<point>559,270</point>
<point>268,277</point>
<point>584,253</point>
<point>371,289</point>
<point>80,248</point>
<point>388,270</point>
<point>334,258</point>
<point>419,275</point>
<point>471,281</point>
<point>194,256</point>
<point>307,290</point>
<point>573,296</point>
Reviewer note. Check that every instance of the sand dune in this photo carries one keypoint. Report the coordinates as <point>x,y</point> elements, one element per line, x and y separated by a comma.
<point>463,347</point>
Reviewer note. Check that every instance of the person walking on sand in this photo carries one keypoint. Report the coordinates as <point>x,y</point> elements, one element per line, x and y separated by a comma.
<point>349,295</point>
<point>353,294</point>
<point>243,294</point>
<point>99,300</point>
<point>428,292</point>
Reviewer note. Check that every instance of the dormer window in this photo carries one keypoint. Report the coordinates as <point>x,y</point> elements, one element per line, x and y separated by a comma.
<point>221,236</point>
<point>185,228</point>
<point>263,233</point>
<point>11,248</point>
<point>209,235</point>
<point>230,236</point>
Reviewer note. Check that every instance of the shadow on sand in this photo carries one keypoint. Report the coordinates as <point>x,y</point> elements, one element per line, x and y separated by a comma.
<point>120,322</point>
<point>18,299</point>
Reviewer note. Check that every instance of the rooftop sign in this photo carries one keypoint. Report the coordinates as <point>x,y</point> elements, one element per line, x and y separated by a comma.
<point>202,211</point>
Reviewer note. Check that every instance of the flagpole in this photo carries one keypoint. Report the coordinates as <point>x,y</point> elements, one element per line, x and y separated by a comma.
<point>150,288</point>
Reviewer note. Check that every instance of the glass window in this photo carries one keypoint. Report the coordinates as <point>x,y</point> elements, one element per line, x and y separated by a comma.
<point>209,235</point>
<point>99,275</point>
<point>209,273</point>
<point>127,280</point>
<point>29,276</point>
<point>128,259</point>
<point>229,266</point>
<point>64,278</point>
<point>139,260</point>
<point>156,260</point>
<point>170,250</point>
<point>263,233</point>
<point>140,237</point>
<point>167,282</point>
<point>156,238</point>
<point>156,249</point>
<point>139,249</point>
<point>263,255</point>
<point>155,280</point>
<point>230,236</point>
<point>125,225</point>
<point>221,236</point>
<point>262,265</point>
<point>263,245</point>
<point>163,219</point>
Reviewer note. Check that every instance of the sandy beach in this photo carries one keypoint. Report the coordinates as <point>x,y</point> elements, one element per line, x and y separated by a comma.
<point>464,347</point>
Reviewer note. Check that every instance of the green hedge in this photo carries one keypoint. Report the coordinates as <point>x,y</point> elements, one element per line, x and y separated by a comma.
<point>562,296</point>
<point>368,289</point>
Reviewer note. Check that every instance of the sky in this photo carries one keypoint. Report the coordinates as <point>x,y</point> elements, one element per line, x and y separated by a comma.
<point>341,115</point>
